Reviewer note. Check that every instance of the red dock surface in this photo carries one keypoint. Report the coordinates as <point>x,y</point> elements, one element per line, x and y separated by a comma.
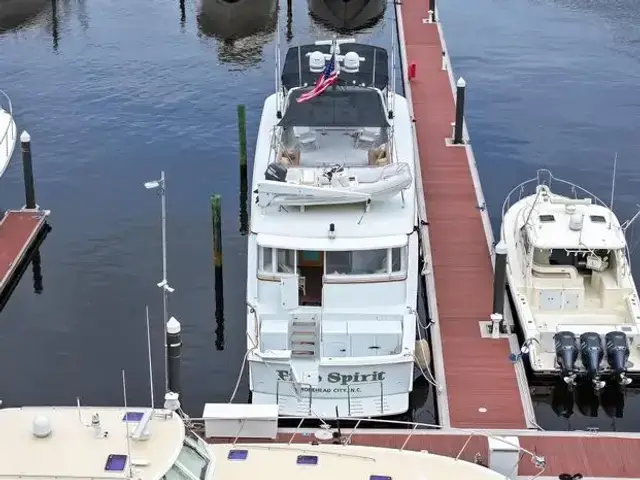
<point>481,381</point>
<point>19,230</point>
<point>591,455</point>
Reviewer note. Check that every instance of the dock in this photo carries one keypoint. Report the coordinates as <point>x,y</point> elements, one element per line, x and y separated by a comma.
<point>20,232</point>
<point>479,385</point>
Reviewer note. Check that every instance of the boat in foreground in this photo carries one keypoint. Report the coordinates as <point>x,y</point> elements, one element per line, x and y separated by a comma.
<point>148,444</point>
<point>570,278</point>
<point>8,132</point>
<point>332,276</point>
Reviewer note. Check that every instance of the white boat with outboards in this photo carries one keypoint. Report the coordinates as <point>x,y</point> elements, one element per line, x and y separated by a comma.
<point>332,274</point>
<point>8,132</point>
<point>569,275</point>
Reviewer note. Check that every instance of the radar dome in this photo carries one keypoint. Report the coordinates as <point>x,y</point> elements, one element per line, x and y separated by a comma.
<point>41,426</point>
<point>316,61</point>
<point>351,62</point>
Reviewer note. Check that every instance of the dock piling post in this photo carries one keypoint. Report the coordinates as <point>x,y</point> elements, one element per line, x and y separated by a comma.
<point>27,169</point>
<point>216,217</point>
<point>499,288</point>
<point>444,60</point>
<point>174,347</point>
<point>289,21</point>
<point>432,11</point>
<point>461,85</point>
<point>242,138</point>
<point>36,264</point>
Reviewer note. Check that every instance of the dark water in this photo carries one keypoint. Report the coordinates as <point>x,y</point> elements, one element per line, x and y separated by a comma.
<point>112,93</point>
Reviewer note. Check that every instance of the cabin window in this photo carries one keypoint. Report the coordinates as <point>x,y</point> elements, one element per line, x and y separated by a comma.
<point>598,219</point>
<point>369,265</point>
<point>191,464</point>
<point>286,261</point>
<point>265,259</point>
<point>274,261</point>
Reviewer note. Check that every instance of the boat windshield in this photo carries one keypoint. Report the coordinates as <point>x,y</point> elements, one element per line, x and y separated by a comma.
<point>192,463</point>
<point>341,108</point>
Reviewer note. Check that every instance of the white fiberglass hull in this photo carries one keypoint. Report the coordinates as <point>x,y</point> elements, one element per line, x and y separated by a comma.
<point>569,313</point>
<point>358,390</point>
<point>8,139</point>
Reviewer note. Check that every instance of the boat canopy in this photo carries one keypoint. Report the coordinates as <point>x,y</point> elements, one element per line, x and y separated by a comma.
<point>339,107</point>
<point>373,71</point>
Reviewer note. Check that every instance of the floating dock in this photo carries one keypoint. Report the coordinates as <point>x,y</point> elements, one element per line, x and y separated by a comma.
<point>479,386</point>
<point>20,232</point>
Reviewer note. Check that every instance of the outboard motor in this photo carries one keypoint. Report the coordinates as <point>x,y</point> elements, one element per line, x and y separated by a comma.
<point>617,355</point>
<point>592,354</point>
<point>566,355</point>
<point>276,172</point>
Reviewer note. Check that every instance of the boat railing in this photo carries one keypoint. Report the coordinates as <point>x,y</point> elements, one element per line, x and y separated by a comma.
<point>545,177</point>
<point>10,131</point>
<point>396,428</point>
<point>300,389</point>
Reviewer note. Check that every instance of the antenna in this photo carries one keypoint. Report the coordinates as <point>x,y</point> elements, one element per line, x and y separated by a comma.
<point>150,364</point>
<point>392,93</point>
<point>613,188</point>
<point>80,413</point>
<point>126,423</point>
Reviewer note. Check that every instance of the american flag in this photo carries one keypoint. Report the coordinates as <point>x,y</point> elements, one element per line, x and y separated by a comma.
<point>328,77</point>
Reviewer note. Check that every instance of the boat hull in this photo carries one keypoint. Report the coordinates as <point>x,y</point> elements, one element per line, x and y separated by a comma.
<point>8,139</point>
<point>347,15</point>
<point>358,390</point>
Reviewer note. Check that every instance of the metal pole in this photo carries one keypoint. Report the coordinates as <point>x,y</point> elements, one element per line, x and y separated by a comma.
<point>460,88</point>
<point>165,292</point>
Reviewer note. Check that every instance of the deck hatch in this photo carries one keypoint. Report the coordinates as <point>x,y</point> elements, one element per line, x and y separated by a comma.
<point>547,218</point>
<point>132,416</point>
<point>379,477</point>
<point>307,460</point>
<point>237,454</point>
<point>115,463</point>
<point>597,219</point>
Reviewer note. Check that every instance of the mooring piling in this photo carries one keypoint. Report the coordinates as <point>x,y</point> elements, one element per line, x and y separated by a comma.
<point>27,169</point>
<point>174,354</point>
<point>499,288</point>
<point>242,139</point>
<point>461,85</point>
<point>216,217</point>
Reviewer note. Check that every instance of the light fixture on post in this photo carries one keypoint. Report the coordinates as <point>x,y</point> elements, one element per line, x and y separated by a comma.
<point>164,285</point>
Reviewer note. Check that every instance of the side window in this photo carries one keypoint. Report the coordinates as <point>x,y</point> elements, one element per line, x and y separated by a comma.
<point>286,261</point>
<point>398,260</point>
<point>525,240</point>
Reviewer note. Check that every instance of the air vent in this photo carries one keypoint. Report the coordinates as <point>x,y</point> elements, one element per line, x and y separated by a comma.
<point>598,219</point>
<point>237,454</point>
<point>133,416</point>
<point>547,218</point>
<point>115,463</point>
<point>307,460</point>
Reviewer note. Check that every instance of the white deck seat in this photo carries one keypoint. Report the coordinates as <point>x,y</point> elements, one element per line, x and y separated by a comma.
<point>305,136</point>
<point>368,135</point>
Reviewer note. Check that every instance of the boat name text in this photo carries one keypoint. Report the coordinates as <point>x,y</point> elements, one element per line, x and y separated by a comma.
<point>341,378</point>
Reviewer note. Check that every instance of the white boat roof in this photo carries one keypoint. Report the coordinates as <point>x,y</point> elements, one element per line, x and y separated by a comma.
<point>548,226</point>
<point>72,450</point>
<point>388,217</point>
<point>341,462</point>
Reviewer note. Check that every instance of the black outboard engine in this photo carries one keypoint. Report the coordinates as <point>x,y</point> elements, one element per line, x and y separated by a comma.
<point>276,172</point>
<point>566,355</point>
<point>592,354</point>
<point>618,354</point>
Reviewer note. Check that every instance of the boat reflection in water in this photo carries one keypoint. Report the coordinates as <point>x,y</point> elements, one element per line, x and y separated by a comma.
<point>346,16</point>
<point>242,27</point>
<point>564,398</point>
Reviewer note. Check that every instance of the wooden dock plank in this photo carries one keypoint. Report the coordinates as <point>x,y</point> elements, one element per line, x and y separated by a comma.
<point>19,229</point>
<point>481,381</point>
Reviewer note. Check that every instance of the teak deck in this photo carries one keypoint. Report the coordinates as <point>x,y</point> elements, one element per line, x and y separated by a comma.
<point>19,230</point>
<point>591,455</point>
<point>481,381</point>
